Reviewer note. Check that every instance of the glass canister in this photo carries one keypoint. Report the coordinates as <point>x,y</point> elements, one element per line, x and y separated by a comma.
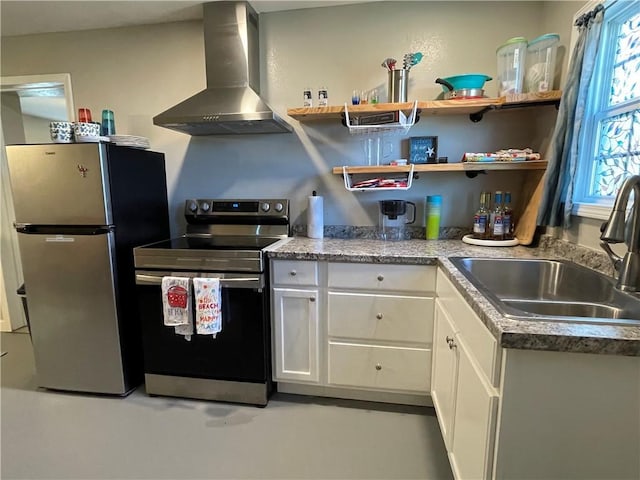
<point>511,65</point>
<point>541,63</point>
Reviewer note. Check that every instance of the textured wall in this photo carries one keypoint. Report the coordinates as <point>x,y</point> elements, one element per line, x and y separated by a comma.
<point>140,71</point>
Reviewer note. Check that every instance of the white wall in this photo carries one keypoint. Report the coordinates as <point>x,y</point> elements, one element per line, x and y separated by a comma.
<point>140,71</point>
<point>11,131</point>
<point>36,129</point>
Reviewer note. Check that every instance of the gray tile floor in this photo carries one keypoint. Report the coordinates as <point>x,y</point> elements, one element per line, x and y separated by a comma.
<point>59,435</point>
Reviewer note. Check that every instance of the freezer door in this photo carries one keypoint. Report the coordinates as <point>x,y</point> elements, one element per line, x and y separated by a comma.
<point>60,184</point>
<point>72,309</point>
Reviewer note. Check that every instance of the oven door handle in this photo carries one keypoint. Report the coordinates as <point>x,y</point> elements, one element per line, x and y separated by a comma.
<point>243,282</point>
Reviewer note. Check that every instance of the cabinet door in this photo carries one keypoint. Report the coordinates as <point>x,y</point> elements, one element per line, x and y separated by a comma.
<point>474,420</point>
<point>444,374</point>
<point>295,333</point>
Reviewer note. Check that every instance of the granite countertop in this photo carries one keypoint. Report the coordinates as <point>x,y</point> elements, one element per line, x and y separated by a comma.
<point>510,332</point>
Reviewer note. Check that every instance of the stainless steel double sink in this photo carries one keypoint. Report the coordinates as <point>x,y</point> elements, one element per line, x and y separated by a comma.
<point>550,290</point>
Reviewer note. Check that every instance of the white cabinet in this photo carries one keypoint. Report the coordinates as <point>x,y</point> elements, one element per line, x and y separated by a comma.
<point>380,326</point>
<point>379,367</point>
<point>444,378</point>
<point>511,413</point>
<point>384,318</point>
<point>353,330</point>
<point>295,334</point>
<point>295,314</point>
<point>465,403</point>
<point>474,419</point>
<point>464,398</point>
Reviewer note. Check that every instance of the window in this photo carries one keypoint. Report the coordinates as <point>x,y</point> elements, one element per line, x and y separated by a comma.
<point>610,142</point>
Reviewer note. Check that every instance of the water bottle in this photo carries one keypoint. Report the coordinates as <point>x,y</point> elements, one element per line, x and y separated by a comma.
<point>432,221</point>
<point>108,123</point>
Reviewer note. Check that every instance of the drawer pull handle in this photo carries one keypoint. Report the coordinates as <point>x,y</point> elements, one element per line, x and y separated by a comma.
<point>379,316</point>
<point>378,366</point>
<point>293,273</point>
<point>380,278</point>
<point>312,299</point>
<point>451,343</point>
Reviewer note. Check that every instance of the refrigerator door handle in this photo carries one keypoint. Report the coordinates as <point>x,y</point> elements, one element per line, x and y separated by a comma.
<point>63,229</point>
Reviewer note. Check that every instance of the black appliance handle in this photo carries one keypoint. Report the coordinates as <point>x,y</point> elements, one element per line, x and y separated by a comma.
<point>443,82</point>
<point>413,219</point>
<point>63,229</point>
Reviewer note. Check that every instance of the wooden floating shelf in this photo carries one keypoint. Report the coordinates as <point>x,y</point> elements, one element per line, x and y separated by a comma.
<point>429,107</point>
<point>447,167</point>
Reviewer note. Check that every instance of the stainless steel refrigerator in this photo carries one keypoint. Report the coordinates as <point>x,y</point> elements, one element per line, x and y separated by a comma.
<point>80,209</point>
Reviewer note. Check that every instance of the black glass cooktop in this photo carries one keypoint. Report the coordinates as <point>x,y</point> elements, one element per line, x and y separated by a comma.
<point>214,243</point>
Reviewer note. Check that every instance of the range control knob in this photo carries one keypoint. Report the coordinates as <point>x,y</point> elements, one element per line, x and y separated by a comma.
<point>279,207</point>
<point>204,206</point>
<point>265,207</point>
<point>192,207</point>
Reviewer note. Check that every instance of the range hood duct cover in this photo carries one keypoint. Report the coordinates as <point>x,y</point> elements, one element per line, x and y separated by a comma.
<point>231,103</point>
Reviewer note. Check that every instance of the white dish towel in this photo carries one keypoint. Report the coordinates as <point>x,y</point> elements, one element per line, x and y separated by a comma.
<point>176,305</point>
<point>208,306</point>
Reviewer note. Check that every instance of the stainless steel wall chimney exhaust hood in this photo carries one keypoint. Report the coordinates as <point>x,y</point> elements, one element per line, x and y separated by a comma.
<point>231,103</point>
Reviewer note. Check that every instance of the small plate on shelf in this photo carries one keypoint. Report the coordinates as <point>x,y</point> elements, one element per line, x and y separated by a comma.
<point>88,139</point>
<point>490,243</point>
<point>130,141</point>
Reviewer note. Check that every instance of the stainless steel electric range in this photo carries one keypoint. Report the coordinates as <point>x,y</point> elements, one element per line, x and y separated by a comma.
<point>224,239</point>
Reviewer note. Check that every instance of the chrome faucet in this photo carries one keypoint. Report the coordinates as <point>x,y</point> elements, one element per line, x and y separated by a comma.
<point>618,229</point>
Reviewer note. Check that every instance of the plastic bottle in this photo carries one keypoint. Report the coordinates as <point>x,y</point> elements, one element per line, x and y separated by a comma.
<point>481,217</point>
<point>432,221</point>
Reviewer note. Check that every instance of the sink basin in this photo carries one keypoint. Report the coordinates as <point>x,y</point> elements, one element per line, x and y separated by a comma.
<point>541,289</point>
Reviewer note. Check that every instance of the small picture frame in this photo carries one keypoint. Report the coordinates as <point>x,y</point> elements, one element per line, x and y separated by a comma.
<point>423,149</point>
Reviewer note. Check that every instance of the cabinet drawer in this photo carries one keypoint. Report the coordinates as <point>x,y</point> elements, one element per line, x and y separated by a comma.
<point>295,272</point>
<point>482,345</point>
<point>380,317</point>
<point>413,278</point>
<point>375,367</point>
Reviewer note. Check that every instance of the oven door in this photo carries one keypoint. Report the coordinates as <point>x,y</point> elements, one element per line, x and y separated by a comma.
<point>240,352</point>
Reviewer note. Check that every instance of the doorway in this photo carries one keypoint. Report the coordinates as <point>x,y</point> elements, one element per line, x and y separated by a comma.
<point>28,104</point>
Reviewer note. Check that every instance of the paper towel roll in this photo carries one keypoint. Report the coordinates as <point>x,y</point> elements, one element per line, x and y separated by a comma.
<point>315,217</point>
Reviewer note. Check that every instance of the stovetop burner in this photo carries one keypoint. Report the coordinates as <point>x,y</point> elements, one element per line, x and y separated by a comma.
<point>222,236</point>
<point>214,243</point>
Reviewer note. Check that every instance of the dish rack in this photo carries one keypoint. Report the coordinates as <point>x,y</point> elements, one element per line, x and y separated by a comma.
<point>401,127</point>
<point>377,184</point>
